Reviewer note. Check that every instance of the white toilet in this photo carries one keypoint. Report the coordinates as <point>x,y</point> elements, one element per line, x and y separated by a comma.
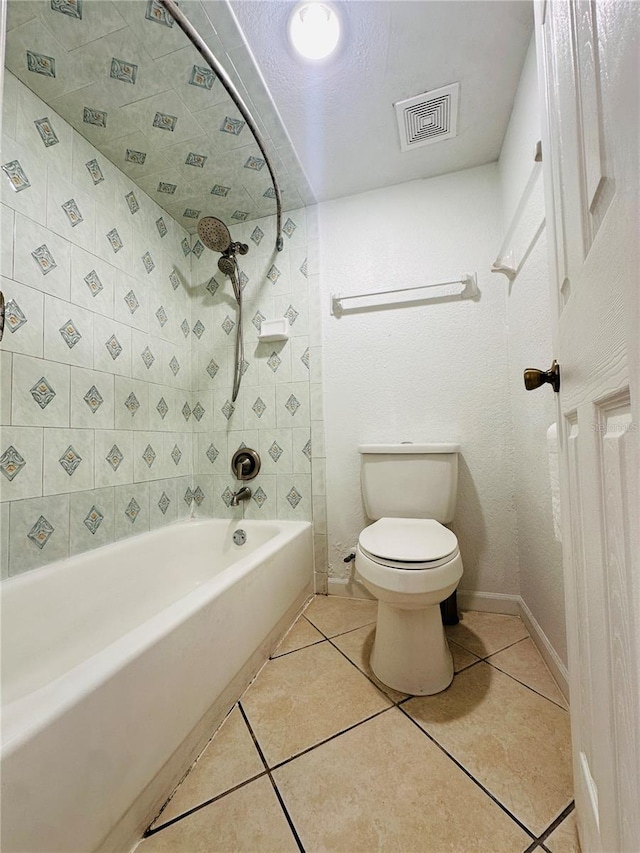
<point>409,560</point>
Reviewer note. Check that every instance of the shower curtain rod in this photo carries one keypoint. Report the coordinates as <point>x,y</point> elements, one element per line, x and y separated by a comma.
<point>201,46</point>
<point>469,291</point>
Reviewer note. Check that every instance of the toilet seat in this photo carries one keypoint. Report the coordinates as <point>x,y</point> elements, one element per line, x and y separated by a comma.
<point>408,543</point>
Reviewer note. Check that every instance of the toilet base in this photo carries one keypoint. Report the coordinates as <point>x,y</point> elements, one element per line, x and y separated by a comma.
<point>410,650</point>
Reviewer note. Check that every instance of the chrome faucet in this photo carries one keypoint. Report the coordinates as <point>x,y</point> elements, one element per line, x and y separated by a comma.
<point>242,494</point>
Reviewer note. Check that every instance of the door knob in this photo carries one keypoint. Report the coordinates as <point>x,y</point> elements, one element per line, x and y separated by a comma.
<point>535,378</point>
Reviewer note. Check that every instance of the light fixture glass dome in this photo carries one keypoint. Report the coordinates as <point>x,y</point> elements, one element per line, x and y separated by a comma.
<point>314,29</point>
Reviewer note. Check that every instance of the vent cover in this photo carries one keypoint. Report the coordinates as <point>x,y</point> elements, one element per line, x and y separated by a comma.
<point>428,118</point>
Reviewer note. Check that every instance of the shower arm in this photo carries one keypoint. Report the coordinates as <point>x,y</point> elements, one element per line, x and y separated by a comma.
<point>201,46</point>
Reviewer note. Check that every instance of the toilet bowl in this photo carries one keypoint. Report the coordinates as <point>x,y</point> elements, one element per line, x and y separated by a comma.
<point>410,565</point>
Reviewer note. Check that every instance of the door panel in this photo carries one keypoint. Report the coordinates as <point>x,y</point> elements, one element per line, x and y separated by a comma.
<point>588,64</point>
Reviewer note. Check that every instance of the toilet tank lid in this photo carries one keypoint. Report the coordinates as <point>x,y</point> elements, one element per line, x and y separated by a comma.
<point>409,447</point>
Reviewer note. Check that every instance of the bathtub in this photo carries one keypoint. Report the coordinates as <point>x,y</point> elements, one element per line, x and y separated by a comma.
<point>119,664</point>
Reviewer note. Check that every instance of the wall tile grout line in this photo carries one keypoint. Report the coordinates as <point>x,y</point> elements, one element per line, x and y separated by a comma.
<point>273,781</point>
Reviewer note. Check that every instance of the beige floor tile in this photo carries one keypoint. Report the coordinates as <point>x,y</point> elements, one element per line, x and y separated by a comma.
<point>246,821</point>
<point>230,758</point>
<point>300,699</point>
<point>301,634</point>
<point>461,657</point>
<point>513,741</point>
<point>524,662</point>
<point>333,614</point>
<point>357,647</point>
<point>384,786</point>
<point>564,839</point>
<point>486,633</point>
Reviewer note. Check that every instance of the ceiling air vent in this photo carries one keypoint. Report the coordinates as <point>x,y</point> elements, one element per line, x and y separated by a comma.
<point>428,118</point>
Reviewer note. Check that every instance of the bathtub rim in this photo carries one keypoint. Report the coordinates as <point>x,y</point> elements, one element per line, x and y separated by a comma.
<point>26,716</point>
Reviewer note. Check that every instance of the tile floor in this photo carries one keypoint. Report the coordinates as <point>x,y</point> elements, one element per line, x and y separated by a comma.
<point>318,755</point>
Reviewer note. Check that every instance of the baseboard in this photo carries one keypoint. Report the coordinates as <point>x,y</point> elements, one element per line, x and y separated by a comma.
<point>348,588</point>
<point>550,656</point>
<point>489,602</point>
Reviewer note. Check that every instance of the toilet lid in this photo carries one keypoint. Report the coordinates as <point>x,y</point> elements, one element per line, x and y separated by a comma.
<point>408,540</point>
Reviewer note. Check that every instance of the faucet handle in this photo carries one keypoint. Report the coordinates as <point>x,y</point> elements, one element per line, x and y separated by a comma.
<point>245,463</point>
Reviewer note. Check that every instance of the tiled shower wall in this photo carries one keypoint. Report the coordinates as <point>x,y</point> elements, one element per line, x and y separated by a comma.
<point>96,356</point>
<point>279,408</point>
<point>127,351</point>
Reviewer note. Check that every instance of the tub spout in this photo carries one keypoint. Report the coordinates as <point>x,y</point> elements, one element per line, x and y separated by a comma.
<point>242,494</point>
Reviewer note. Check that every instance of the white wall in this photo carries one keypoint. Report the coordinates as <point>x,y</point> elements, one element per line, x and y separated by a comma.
<point>433,372</point>
<point>523,131</point>
<point>530,345</point>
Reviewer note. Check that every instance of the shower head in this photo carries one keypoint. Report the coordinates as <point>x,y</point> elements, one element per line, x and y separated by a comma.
<point>214,234</point>
<point>227,266</point>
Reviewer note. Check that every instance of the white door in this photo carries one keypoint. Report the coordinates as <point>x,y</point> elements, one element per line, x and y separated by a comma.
<point>588,71</point>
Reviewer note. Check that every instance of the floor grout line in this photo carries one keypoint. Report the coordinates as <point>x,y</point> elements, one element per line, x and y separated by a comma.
<point>268,771</point>
<point>292,827</point>
<point>149,832</point>
<point>528,686</point>
<point>470,776</point>
<point>331,737</point>
<point>564,814</point>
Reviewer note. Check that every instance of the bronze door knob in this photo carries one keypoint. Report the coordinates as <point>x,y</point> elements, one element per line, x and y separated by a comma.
<point>534,378</point>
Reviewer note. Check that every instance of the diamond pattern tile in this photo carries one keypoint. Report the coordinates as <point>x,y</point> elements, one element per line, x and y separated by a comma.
<point>259,496</point>
<point>212,453</point>
<point>132,403</point>
<point>70,334</point>
<point>114,347</point>
<point>41,532</point>
<point>42,393</point>
<point>114,457</point>
<point>11,463</point>
<point>13,315</point>
<point>275,451</point>
<point>294,497</point>
<point>163,503</point>
<point>149,455</point>
<point>162,407</point>
<point>131,301</point>
<point>259,407</point>
<point>93,282</point>
<point>93,520</point>
<point>176,454</point>
<point>147,357</point>
<point>93,399</point>
<point>274,361</point>
<point>70,460</point>
<point>133,510</point>
<point>292,405</point>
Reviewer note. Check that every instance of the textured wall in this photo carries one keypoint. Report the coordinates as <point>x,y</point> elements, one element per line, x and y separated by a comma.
<point>430,372</point>
<point>530,345</point>
<point>523,131</point>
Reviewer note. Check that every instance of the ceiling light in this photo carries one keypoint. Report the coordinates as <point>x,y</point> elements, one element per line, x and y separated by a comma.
<point>314,30</point>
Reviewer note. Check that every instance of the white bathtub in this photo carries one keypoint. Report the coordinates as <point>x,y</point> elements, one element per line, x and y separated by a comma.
<point>118,665</point>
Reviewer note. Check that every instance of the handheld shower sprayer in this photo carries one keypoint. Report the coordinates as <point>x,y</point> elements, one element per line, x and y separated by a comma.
<point>215,236</point>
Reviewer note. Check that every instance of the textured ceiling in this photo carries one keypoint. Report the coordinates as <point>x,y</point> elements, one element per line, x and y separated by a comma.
<point>125,76</point>
<point>339,113</point>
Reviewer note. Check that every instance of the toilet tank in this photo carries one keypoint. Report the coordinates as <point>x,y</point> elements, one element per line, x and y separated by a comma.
<point>409,480</point>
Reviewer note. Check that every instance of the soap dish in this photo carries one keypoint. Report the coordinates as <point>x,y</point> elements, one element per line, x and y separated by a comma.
<point>274,330</point>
